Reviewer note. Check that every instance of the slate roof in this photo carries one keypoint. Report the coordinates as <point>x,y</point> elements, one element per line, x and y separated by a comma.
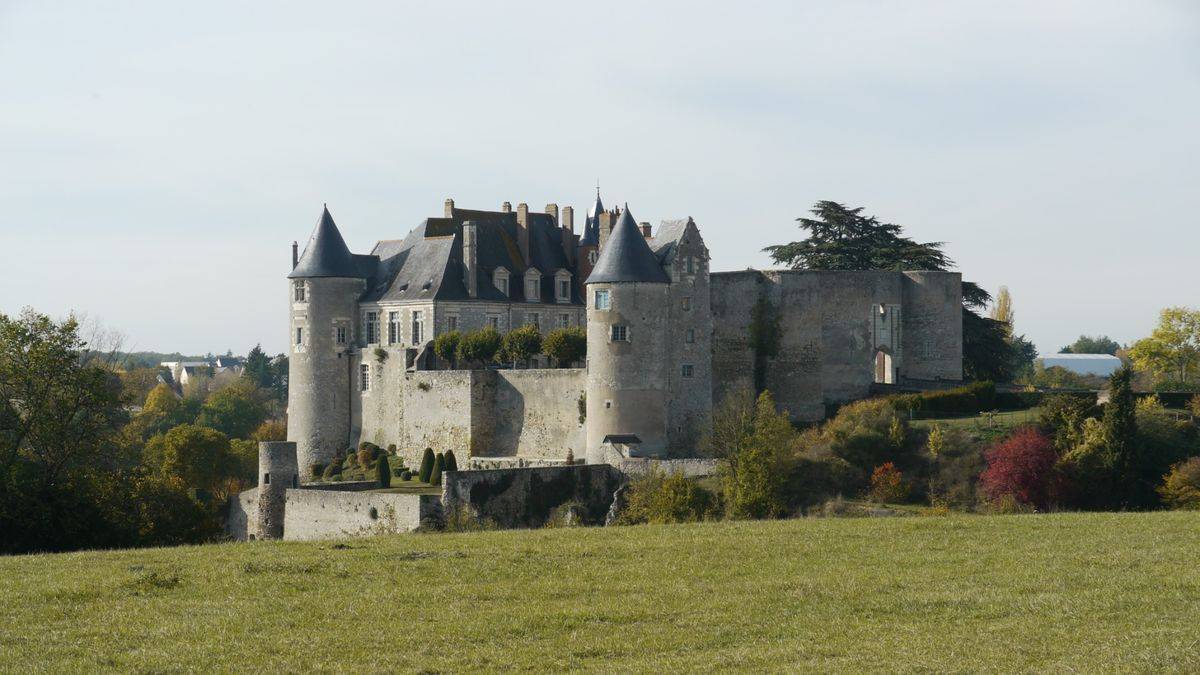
<point>428,263</point>
<point>666,239</point>
<point>326,254</point>
<point>591,226</point>
<point>626,257</point>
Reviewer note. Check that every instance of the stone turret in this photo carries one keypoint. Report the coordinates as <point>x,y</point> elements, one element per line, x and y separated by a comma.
<point>326,285</point>
<point>627,333</point>
<point>277,471</point>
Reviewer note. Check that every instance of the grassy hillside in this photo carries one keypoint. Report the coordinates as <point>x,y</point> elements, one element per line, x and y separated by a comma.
<point>1053,592</point>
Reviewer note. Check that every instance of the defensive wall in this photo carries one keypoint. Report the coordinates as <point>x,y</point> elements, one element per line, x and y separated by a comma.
<point>477,413</point>
<point>529,497</point>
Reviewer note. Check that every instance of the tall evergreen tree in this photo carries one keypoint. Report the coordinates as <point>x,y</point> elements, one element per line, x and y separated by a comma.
<point>1121,431</point>
<point>426,465</point>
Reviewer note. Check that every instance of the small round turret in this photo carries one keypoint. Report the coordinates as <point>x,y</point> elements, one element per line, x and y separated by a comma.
<point>277,471</point>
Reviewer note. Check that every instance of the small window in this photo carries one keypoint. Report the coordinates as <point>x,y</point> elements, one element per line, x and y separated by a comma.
<point>564,320</point>
<point>608,404</point>
<point>418,325</point>
<point>394,337</point>
<point>534,319</point>
<point>620,333</point>
<point>691,266</point>
<point>364,377</point>
<point>686,304</point>
<point>500,280</point>
<point>299,336</point>
<point>592,255</point>
<point>452,323</point>
<point>299,291</point>
<point>601,300</point>
<point>564,290</point>
<point>267,478</point>
<point>533,286</point>
<point>339,335</point>
<point>494,322</point>
<point>371,327</point>
<point>691,335</point>
<point>688,370</point>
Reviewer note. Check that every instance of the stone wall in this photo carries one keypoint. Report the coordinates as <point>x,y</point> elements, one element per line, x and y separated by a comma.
<point>240,515</point>
<point>477,413</point>
<point>322,514</point>
<point>692,468</point>
<point>528,497</point>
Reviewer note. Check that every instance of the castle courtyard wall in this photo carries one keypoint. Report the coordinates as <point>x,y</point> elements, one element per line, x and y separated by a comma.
<point>529,497</point>
<point>321,514</point>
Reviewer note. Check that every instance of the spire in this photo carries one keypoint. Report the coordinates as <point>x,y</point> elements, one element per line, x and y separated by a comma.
<point>626,257</point>
<point>326,254</point>
<point>591,226</point>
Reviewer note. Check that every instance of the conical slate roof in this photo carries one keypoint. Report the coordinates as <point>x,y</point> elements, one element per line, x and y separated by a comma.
<point>591,226</point>
<point>326,254</point>
<point>626,257</point>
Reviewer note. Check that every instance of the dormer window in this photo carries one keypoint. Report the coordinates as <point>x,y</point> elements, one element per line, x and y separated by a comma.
<point>500,279</point>
<point>562,286</point>
<point>533,285</point>
<point>691,265</point>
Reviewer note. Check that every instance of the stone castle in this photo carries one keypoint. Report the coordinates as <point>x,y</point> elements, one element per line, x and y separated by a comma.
<point>667,338</point>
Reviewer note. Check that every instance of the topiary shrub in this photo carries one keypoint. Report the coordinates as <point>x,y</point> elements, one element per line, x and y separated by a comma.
<point>317,469</point>
<point>406,475</point>
<point>329,471</point>
<point>439,465</point>
<point>365,456</point>
<point>351,461</point>
<point>383,472</point>
<point>391,449</point>
<point>451,462</point>
<point>427,461</point>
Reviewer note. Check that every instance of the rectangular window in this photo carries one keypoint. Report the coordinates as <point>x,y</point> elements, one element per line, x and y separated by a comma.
<point>564,320</point>
<point>564,289</point>
<point>534,319</point>
<point>339,334</point>
<point>299,292</point>
<point>394,337</point>
<point>418,324</point>
<point>688,371</point>
<point>452,323</point>
<point>267,478</point>
<point>371,327</point>
<point>494,322</point>
<point>364,377</point>
<point>531,289</point>
<point>620,333</point>
<point>601,300</point>
<point>299,335</point>
<point>691,335</point>
<point>691,268</point>
<point>687,304</point>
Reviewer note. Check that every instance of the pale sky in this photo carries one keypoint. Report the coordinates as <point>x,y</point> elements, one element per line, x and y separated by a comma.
<point>157,159</point>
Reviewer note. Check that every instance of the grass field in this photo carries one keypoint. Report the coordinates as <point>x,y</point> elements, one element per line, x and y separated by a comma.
<point>1064,592</point>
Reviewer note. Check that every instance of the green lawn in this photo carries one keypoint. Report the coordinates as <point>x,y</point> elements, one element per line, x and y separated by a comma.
<point>1065,592</point>
<point>411,487</point>
<point>984,427</point>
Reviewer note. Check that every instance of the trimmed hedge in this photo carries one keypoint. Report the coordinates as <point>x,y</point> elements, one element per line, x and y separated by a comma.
<point>975,398</point>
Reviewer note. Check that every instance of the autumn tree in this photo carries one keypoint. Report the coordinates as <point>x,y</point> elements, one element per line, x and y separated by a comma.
<point>196,455</point>
<point>520,345</point>
<point>1173,349</point>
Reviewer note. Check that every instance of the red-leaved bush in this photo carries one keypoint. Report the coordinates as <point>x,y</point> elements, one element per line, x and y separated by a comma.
<point>1022,466</point>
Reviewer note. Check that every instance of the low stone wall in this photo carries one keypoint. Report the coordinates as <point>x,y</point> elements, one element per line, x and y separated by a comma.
<point>528,497</point>
<point>338,486</point>
<point>485,463</point>
<point>240,516</point>
<point>325,514</point>
<point>692,468</point>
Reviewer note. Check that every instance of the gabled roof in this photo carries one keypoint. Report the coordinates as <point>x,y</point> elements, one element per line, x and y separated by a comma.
<point>666,239</point>
<point>626,257</point>
<point>326,254</point>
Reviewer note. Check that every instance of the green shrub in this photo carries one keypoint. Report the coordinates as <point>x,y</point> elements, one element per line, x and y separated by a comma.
<point>667,498</point>
<point>391,449</point>
<point>446,346</point>
<point>317,469</point>
<point>406,475</point>
<point>383,473</point>
<point>755,474</point>
<point>439,465</point>
<point>398,471</point>
<point>479,347</point>
<point>328,473</point>
<point>1181,487</point>
<point>566,345</point>
<point>520,344</point>
<point>365,457</point>
<point>973,398</point>
<point>451,462</point>
<point>427,461</point>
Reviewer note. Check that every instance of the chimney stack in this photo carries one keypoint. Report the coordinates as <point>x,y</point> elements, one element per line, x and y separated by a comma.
<point>523,231</point>
<point>552,211</point>
<point>470,254</point>
<point>449,208</point>
<point>295,254</point>
<point>606,226</point>
<point>568,233</point>
<point>506,207</point>
<point>646,231</point>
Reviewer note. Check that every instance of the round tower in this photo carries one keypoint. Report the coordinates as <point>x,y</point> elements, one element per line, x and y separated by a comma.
<point>277,472</point>
<point>324,288</point>
<point>627,337</point>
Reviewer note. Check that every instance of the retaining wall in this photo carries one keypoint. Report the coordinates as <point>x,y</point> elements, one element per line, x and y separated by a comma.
<point>528,497</point>
<point>323,514</point>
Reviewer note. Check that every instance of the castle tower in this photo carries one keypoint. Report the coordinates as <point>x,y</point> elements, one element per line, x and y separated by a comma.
<point>589,243</point>
<point>276,473</point>
<point>628,338</point>
<point>323,300</point>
